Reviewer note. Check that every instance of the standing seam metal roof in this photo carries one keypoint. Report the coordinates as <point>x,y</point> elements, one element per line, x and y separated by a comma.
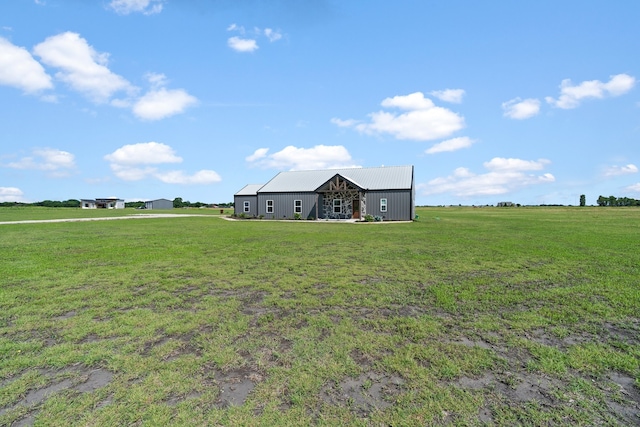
<point>249,190</point>
<point>381,178</point>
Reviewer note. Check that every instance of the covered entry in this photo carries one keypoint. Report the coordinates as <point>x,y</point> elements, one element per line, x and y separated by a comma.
<point>341,199</point>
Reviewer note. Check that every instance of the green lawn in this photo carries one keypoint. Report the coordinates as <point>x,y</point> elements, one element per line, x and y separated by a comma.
<point>496,316</point>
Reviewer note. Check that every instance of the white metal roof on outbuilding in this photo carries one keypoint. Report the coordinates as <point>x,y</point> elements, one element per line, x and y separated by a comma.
<point>381,178</point>
<point>249,190</point>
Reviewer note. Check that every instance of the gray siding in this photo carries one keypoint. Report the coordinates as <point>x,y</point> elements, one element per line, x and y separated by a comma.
<point>399,204</point>
<point>159,204</point>
<point>238,205</point>
<point>283,205</point>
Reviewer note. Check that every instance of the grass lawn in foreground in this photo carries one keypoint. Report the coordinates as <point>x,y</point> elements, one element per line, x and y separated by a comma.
<point>467,317</point>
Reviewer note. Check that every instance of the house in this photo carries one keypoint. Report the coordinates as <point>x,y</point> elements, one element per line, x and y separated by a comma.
<point>158,204</point>
<point>387,192</point>
<point>106,203</point>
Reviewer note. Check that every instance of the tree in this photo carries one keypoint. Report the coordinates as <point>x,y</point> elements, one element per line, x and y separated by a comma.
<point>583,200</point>
<point>178,203</point>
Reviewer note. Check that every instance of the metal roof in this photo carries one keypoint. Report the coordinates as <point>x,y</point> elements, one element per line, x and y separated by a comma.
<point>249,190</point>
<point>381,178</point>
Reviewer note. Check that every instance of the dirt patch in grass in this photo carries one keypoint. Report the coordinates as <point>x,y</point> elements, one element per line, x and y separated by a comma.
<point>77,378</point>
<point>367,393</point>
<point>625,400</point>
<point>235,386</point>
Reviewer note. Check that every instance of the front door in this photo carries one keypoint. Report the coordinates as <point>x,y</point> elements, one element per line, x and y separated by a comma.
<point>356,209</point>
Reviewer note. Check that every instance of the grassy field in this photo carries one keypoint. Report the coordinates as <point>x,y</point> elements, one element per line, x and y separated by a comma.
<point>467,316</point>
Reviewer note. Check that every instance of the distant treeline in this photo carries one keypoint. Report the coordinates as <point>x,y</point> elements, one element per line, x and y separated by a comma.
<point>73,203</point>
<point>617,201</point>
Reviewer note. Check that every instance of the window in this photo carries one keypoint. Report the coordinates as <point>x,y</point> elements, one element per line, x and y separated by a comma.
<point>383,205</point>
<point>269,206</point>
<point>337,206</point>
<point>297,206</point>
<point>247,206</point>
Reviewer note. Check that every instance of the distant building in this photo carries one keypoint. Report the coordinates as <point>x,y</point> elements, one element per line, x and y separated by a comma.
<point>387,192</point>
<point>505,204</point>
<point>106,203</point>
<point>158,204</point>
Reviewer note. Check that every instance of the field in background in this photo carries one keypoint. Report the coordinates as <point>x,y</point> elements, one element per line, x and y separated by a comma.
<point>467,317</point>
<point>26,213</point>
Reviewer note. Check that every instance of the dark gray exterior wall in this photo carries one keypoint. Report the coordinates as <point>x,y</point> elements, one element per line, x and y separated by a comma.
<point>400,206</point>
<point>159,204</point>
<point>283,205</point>
<point>238,205</point>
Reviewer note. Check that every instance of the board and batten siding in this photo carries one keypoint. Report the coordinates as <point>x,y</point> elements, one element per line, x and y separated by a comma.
<point>238,205</point>
<point>283,205</point>
<point>399,204</point>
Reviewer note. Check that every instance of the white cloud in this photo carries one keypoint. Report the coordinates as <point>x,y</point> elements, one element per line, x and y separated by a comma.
<point>147,7</point>
<point>571,96</point>
<point>20,70</point>
<point>162,103</point>
<point>294,158</point>
<point>143,153</point>
<point>620,170</point>
<point>503,176</point>
<point>451,145</point>
<point>423,121</point>
<point>449,95</point>
<point>156,80</point>
<point>11,194</point>
<point>235,27</point>
<point>272,35</point>
<point>521,108</point>
<point>258,154</point>
<point>344,123</point>
<point>242,45</point>
<point>82,68</point>
<point>503,164</point>
<point>132,173</point>
<point>56,163</point>
<point>129,163</point>
<point>635,188</point>
<point>179,177</point>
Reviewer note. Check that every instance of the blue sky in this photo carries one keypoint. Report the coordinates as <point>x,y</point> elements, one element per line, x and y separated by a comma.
<point>529,102</point>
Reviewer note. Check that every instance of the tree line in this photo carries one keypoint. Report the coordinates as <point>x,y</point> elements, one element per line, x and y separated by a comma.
<point>73,203</point>
<point>617,201</point>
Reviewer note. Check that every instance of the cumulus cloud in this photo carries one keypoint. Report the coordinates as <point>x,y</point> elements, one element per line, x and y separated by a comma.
<point>611,171</point>
<point>147,7</point>
<point>11,194</point>
<point>453,144</point>
<point>161,103</point>
<point>503,175</point>
<point>250,43</point>
<point>571,95</point>
<point>56,163</point>
<point>18,69</point>
<point>422,120</point>
<point>81,66</point>
<point>272,35</point>
<point>295,158</point>
<point>242,45</point>
<point>258,154</point>
<point>521,108</point>
<point>143,153</point>
<point>179,177</point>
<point>449,95</point>
<point>134,162</point>
<point>635,188</point>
